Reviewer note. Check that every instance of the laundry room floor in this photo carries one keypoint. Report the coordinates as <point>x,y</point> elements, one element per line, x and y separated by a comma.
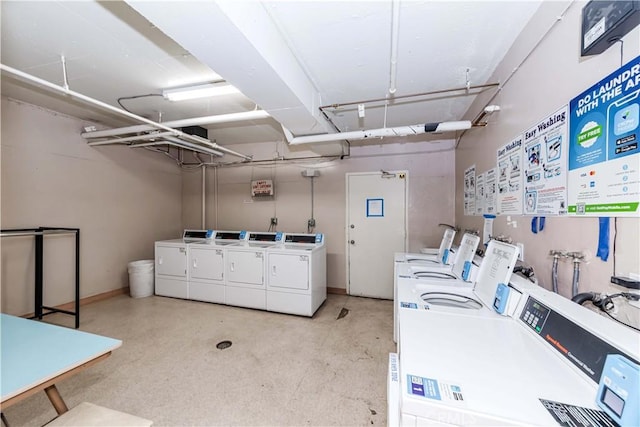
<point>280,370</point>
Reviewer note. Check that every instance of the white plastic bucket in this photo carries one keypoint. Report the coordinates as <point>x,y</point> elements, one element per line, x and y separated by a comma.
<point>141,278</point>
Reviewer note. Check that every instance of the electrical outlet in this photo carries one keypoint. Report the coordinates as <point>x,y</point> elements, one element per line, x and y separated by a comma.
<point>274,221</point>
<point>311,222</point>
<point>521,250</point>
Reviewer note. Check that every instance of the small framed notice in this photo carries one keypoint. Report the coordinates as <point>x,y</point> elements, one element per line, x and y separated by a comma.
<point>375,207</point>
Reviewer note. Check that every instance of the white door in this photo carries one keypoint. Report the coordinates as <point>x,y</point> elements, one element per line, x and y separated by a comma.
<point>376,229</point>
<point>288,271</point>
<point>206,264</point>
<point>171,261</point>
<point>245,267</point>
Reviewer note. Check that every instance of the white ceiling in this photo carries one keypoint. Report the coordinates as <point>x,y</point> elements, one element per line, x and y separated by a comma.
<point>287,57</point>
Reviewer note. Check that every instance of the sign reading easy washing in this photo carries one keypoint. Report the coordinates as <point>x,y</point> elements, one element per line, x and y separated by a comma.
<point>604,158</point>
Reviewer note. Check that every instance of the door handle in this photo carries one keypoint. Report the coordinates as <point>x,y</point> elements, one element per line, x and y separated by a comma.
<point>195,263</point>
<point>233,266</point>
<point>274,271</point>
<point>353,242</point>
<point>160,260</point>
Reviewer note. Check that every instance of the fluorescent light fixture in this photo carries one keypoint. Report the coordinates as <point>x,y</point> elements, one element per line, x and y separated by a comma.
<point>199,91</point>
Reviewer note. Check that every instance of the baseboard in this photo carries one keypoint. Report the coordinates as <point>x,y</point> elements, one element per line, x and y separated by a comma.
<point>88,300</point>
<point>338,291</point>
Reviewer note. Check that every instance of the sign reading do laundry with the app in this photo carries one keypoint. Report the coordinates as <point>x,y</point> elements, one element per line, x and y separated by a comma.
<point>604,157</point>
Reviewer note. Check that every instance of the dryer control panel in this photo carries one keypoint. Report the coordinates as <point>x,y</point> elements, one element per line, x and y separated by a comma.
<point>317,239</point>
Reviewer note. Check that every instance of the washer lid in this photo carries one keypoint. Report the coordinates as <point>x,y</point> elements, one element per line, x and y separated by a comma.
<point>449,299</point>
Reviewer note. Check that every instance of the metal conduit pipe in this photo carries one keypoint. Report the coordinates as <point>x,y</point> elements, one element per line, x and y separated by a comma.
<point>105,106</point>
<point>182,144</point>
<point>204,179</point>
<point>395,30</point>
<point>577,259</point>
<point>195,121</point>
<point>131,139</point>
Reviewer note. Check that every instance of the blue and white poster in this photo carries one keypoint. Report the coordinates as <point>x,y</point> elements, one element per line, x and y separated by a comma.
<point>604,158</point>
<point>545,165</point>
<point>470,190</point>
<point>509,161</point>
<point>480,194</point>
<point>490,191</point>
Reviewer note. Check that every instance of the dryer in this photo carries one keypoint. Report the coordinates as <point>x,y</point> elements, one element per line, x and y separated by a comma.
<point>207,265</point>
<point>245,270</point>
<point>171,273</point>
<point>297,274</point>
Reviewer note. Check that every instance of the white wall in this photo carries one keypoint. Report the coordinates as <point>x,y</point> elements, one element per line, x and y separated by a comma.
<point>121,199</point>
<point>548,79</point>
<point>229,204</point>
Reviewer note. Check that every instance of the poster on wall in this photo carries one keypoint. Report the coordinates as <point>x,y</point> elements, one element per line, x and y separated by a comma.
<point>490,189</point>
<point>470,190</point>
<point>545,164</point>
<point>604,158</point>
<point>480,194</point>
<point>510,186</point>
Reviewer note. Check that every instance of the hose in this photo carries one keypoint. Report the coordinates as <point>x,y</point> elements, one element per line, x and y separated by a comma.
<point>576,276</point>
<point>554,273</point>
<point>584,297</point>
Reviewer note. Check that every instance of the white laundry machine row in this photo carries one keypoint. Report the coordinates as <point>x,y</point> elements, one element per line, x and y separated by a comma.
<point>272,271</point>
<point>546,361</point>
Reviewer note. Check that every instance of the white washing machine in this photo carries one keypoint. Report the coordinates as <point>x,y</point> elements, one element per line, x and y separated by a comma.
<point>171,273</point>
<point>207,265</point>
<point>529,369</point>
<point>297,274</point>
<point>442,256</point>
<point>245,270</point>
<point>410,274</point>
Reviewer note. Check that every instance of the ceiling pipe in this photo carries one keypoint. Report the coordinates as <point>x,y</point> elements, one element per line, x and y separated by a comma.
<point>105,106</point>
<point>395,30</point>
<point>196,121</point>
<point>412,95</point>
<point>130,139</point>
<point>188,146</point>
<point>377,133</point>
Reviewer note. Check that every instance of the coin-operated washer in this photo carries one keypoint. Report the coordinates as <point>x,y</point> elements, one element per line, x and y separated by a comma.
<point>245,269</point>
<point>171,273</point>
<point>441,255</point>
<point>297,274</point>
<point>207,264</point>
<point>547,362</point>
<point>461,274</point>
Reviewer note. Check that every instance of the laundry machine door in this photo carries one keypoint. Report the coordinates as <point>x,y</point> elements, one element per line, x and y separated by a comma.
<point>207,264</point>
<point>288,271</point>
<point>245,267</point>
<point>171,261</point>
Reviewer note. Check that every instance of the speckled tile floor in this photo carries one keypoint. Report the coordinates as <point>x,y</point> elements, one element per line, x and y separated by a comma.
<point>281,370</point>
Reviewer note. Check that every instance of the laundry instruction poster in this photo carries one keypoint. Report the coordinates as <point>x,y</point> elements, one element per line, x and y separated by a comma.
<point>510,186</point>
<point>490,190</point>
<point>604,159</point>
<point>480,194</point>
<point>545,165</point>
<point>470,190</point>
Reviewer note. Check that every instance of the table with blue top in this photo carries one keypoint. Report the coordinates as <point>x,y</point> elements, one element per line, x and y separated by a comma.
<point>34,356</point>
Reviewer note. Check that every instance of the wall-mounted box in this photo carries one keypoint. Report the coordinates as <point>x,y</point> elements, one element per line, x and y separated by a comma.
<point>604,22</point>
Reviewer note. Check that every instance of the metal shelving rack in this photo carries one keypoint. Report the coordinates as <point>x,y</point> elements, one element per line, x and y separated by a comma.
<point>39,233</point>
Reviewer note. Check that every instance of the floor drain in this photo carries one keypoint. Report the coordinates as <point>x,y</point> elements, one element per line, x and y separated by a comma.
<point>223,344</point>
